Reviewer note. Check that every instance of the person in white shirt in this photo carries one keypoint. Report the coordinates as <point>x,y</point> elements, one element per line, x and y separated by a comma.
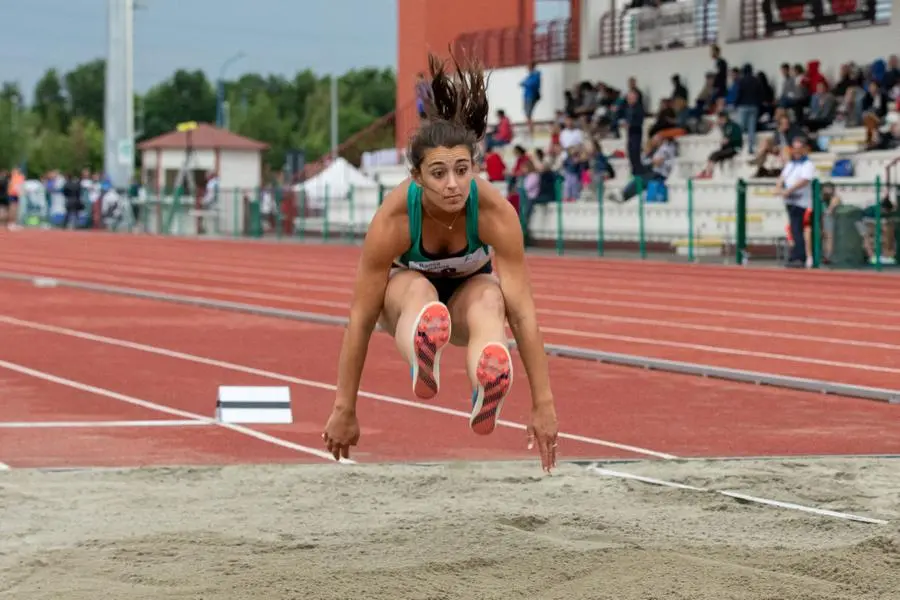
<point>795,187</point>
<point>571,135</point>
<point>658,162</point>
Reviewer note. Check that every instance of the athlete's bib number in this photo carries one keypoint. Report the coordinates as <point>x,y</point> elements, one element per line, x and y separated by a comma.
<point>459,266</point>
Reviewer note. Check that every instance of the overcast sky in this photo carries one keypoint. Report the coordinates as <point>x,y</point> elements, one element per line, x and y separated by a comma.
<point>277,36</point>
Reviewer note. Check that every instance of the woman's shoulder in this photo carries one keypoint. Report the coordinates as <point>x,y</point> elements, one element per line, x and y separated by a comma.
<point>389,227</point>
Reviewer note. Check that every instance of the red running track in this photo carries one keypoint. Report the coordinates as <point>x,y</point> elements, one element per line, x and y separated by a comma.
<point>839,327</point>
<point>76,356</point>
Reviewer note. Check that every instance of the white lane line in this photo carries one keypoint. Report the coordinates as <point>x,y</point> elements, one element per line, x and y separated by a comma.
<point>718,313</point>
<point>4,467</point>
<point>573,314</point>
<point>304,382</point>
<point>719,329</point>
<point>721,350</point>
<point>163,409</point>
<point>301,301</point>
<point>739,496</point>
<point>100,424</point>
<point>314,271</point>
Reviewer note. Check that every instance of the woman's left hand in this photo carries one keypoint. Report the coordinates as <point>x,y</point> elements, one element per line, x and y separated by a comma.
<point>544,430</point>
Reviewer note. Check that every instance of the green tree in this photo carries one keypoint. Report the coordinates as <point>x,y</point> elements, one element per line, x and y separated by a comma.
<point>186,96</point>
<point>85,87</point>
<point>62,129</point>
<point>50,102</point>
<point>12,132</point>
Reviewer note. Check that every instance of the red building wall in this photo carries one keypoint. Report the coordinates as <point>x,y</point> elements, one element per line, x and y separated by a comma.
<point>432,26</point>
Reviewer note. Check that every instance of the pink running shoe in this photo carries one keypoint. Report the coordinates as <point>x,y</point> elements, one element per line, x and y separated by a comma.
<point>430,335</point>
<point>494,376</point>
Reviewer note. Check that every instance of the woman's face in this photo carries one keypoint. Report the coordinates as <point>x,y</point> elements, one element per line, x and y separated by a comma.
<point>445,176</point>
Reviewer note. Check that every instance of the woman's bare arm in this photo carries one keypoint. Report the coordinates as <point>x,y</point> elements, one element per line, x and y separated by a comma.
<point>387,238</point>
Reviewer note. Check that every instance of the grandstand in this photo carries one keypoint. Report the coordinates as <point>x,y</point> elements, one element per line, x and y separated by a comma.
<point>608,41</point>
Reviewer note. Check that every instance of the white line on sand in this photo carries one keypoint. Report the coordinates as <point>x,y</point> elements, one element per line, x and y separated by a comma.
<point>163,409</point>
<point>4,467</point>
<point>92,424</point>
<point>747,498</point>
<point>305,382</point>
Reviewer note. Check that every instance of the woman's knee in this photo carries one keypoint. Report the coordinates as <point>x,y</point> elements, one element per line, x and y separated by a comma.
<point>488,299</point>
<point>419,289</point>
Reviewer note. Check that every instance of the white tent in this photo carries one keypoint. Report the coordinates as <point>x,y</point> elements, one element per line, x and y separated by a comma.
<point>336,182</point>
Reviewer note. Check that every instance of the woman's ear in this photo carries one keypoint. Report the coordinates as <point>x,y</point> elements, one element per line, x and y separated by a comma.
<point>416,175</point>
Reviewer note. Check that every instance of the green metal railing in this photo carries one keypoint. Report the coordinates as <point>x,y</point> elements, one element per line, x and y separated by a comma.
<point>725,223</point>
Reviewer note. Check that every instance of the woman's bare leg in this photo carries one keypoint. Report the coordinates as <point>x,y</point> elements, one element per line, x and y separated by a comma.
<point>420,326</point>
<point>478,312</point>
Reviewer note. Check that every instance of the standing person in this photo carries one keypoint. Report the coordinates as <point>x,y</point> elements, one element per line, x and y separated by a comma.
<point>633,115</point>
<point>16,191</point>
<point>426,275</point>
<point>531,94</point>
<point>720,69</point>
<point>4,197</point>
<point>749,103</point>
<point>73,193</point>
<point>794,186</point>
<point>422,93</point>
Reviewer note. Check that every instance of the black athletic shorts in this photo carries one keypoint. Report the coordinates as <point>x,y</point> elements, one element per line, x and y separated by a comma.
<point>446,286</point>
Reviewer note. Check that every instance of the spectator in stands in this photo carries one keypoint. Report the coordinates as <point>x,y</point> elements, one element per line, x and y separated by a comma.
<point>732,142</point>
<point>423,94</point>
<point>522,162</point>
<point>748,102</point>
<point>571,135</point>
<point>678,88</point>
<point>734,76</point>
<point>846,80</point>
<point>890,83</point>
<point>575,164</point>
<point>585,100</point>
<point>778,144</point>
<point>657,165</point>
<point>501,135</point>
<point>830,202</point>
<point>866,228</point>
<point>682,114</point>
<point>602,168</point>
<point>791,97</point>
<point>704,102</point>
<point>531,94</point>
<point>822,109</point>
<point>633,88</point>
<point>720,70</point>
<point>633,117</point>
<point>665,118</point>
<point>570,103</point>
<point>546,191</point>
<point>875,107</point>
<point>604,118</point>
<point>850,93</point>
<point>494,166</point>
<point>767,108</point>
<point>885,140</point>
<point>794,187</point>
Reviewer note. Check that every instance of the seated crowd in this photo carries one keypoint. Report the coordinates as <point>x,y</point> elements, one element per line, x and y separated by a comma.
<point>741,101</point>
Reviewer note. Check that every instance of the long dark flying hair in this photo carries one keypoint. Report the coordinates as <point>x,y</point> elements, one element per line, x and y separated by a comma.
<point>455,113</point>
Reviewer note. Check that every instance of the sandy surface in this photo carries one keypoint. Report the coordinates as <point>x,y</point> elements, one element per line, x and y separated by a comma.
<point>450,531</point>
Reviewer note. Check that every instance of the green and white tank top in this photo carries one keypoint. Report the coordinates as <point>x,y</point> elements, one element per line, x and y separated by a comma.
<point>474,257</point>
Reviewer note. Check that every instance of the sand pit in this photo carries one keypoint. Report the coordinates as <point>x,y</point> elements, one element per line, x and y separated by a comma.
<point>451,531</point>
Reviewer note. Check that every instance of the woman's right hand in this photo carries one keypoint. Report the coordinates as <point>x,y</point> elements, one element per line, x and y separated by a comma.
<point>341,431</point>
